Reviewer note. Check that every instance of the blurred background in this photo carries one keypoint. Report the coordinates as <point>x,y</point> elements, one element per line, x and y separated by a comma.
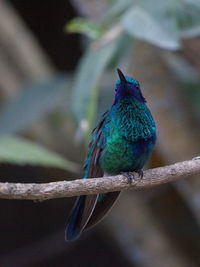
<point>58,63</point>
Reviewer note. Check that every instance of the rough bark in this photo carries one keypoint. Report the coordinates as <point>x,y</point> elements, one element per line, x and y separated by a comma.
<point>62,189</point>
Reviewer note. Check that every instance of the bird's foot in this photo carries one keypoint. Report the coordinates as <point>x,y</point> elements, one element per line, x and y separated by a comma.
<point>129,176</point>
<point>140,173</point>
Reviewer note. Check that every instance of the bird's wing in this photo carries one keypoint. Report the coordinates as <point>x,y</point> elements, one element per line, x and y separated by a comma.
<point>85,205</point>
<point>105,201</point>
<point>93,168</point>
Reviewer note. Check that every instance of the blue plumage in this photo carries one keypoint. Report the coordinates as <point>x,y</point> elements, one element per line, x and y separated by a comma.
<point>122,142</point>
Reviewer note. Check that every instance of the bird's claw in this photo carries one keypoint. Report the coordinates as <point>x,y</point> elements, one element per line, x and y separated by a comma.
<point>130,176</point>
<point>140,173</point>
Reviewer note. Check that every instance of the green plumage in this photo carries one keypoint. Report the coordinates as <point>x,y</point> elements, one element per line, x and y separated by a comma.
<point>118,132</point>
<point>122,142</point>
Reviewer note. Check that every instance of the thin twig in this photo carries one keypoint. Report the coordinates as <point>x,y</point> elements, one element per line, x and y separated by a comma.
<point>62,189</point>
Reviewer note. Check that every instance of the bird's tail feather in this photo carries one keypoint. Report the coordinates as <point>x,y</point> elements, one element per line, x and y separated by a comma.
<point>102,208</point>
<point>79,216</point>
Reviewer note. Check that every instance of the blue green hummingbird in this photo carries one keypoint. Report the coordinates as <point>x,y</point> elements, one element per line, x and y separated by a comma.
<point>122,142</point>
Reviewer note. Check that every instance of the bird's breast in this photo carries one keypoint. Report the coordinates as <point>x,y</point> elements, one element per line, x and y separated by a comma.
<point>130,139</point>
<point>121,155</point>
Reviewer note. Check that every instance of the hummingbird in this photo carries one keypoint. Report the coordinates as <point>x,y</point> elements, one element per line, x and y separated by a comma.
<point>121,143</point>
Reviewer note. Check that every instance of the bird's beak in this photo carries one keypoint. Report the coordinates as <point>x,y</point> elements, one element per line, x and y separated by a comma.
<point>121,77</point>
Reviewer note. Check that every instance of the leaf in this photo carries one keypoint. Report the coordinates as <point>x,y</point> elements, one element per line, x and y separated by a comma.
<point>35,100</point>
<point>85,26</point>
<point>87,77</point>
<point>116,8</point>
<point>15,150</point>
<point>187,17</point>
<point>142,25</point>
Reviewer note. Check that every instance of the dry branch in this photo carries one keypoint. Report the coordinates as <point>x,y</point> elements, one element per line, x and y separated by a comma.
<point>62,189</point>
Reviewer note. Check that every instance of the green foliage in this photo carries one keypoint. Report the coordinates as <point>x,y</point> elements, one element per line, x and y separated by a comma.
<point>87,77</point>
<point>19,151</point>
<point>84,26</point>
<point>142,25</point>
<point>34,101</point>
<point>162,23</point>
<point>186,13</point>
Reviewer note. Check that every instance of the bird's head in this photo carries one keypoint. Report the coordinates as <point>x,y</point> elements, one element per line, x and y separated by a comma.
<point>128,87</point>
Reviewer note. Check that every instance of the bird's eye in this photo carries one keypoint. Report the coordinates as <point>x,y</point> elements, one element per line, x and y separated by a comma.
<point>137,86</point>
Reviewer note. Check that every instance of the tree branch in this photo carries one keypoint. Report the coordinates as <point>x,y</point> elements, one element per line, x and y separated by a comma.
<point>62,189</point>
